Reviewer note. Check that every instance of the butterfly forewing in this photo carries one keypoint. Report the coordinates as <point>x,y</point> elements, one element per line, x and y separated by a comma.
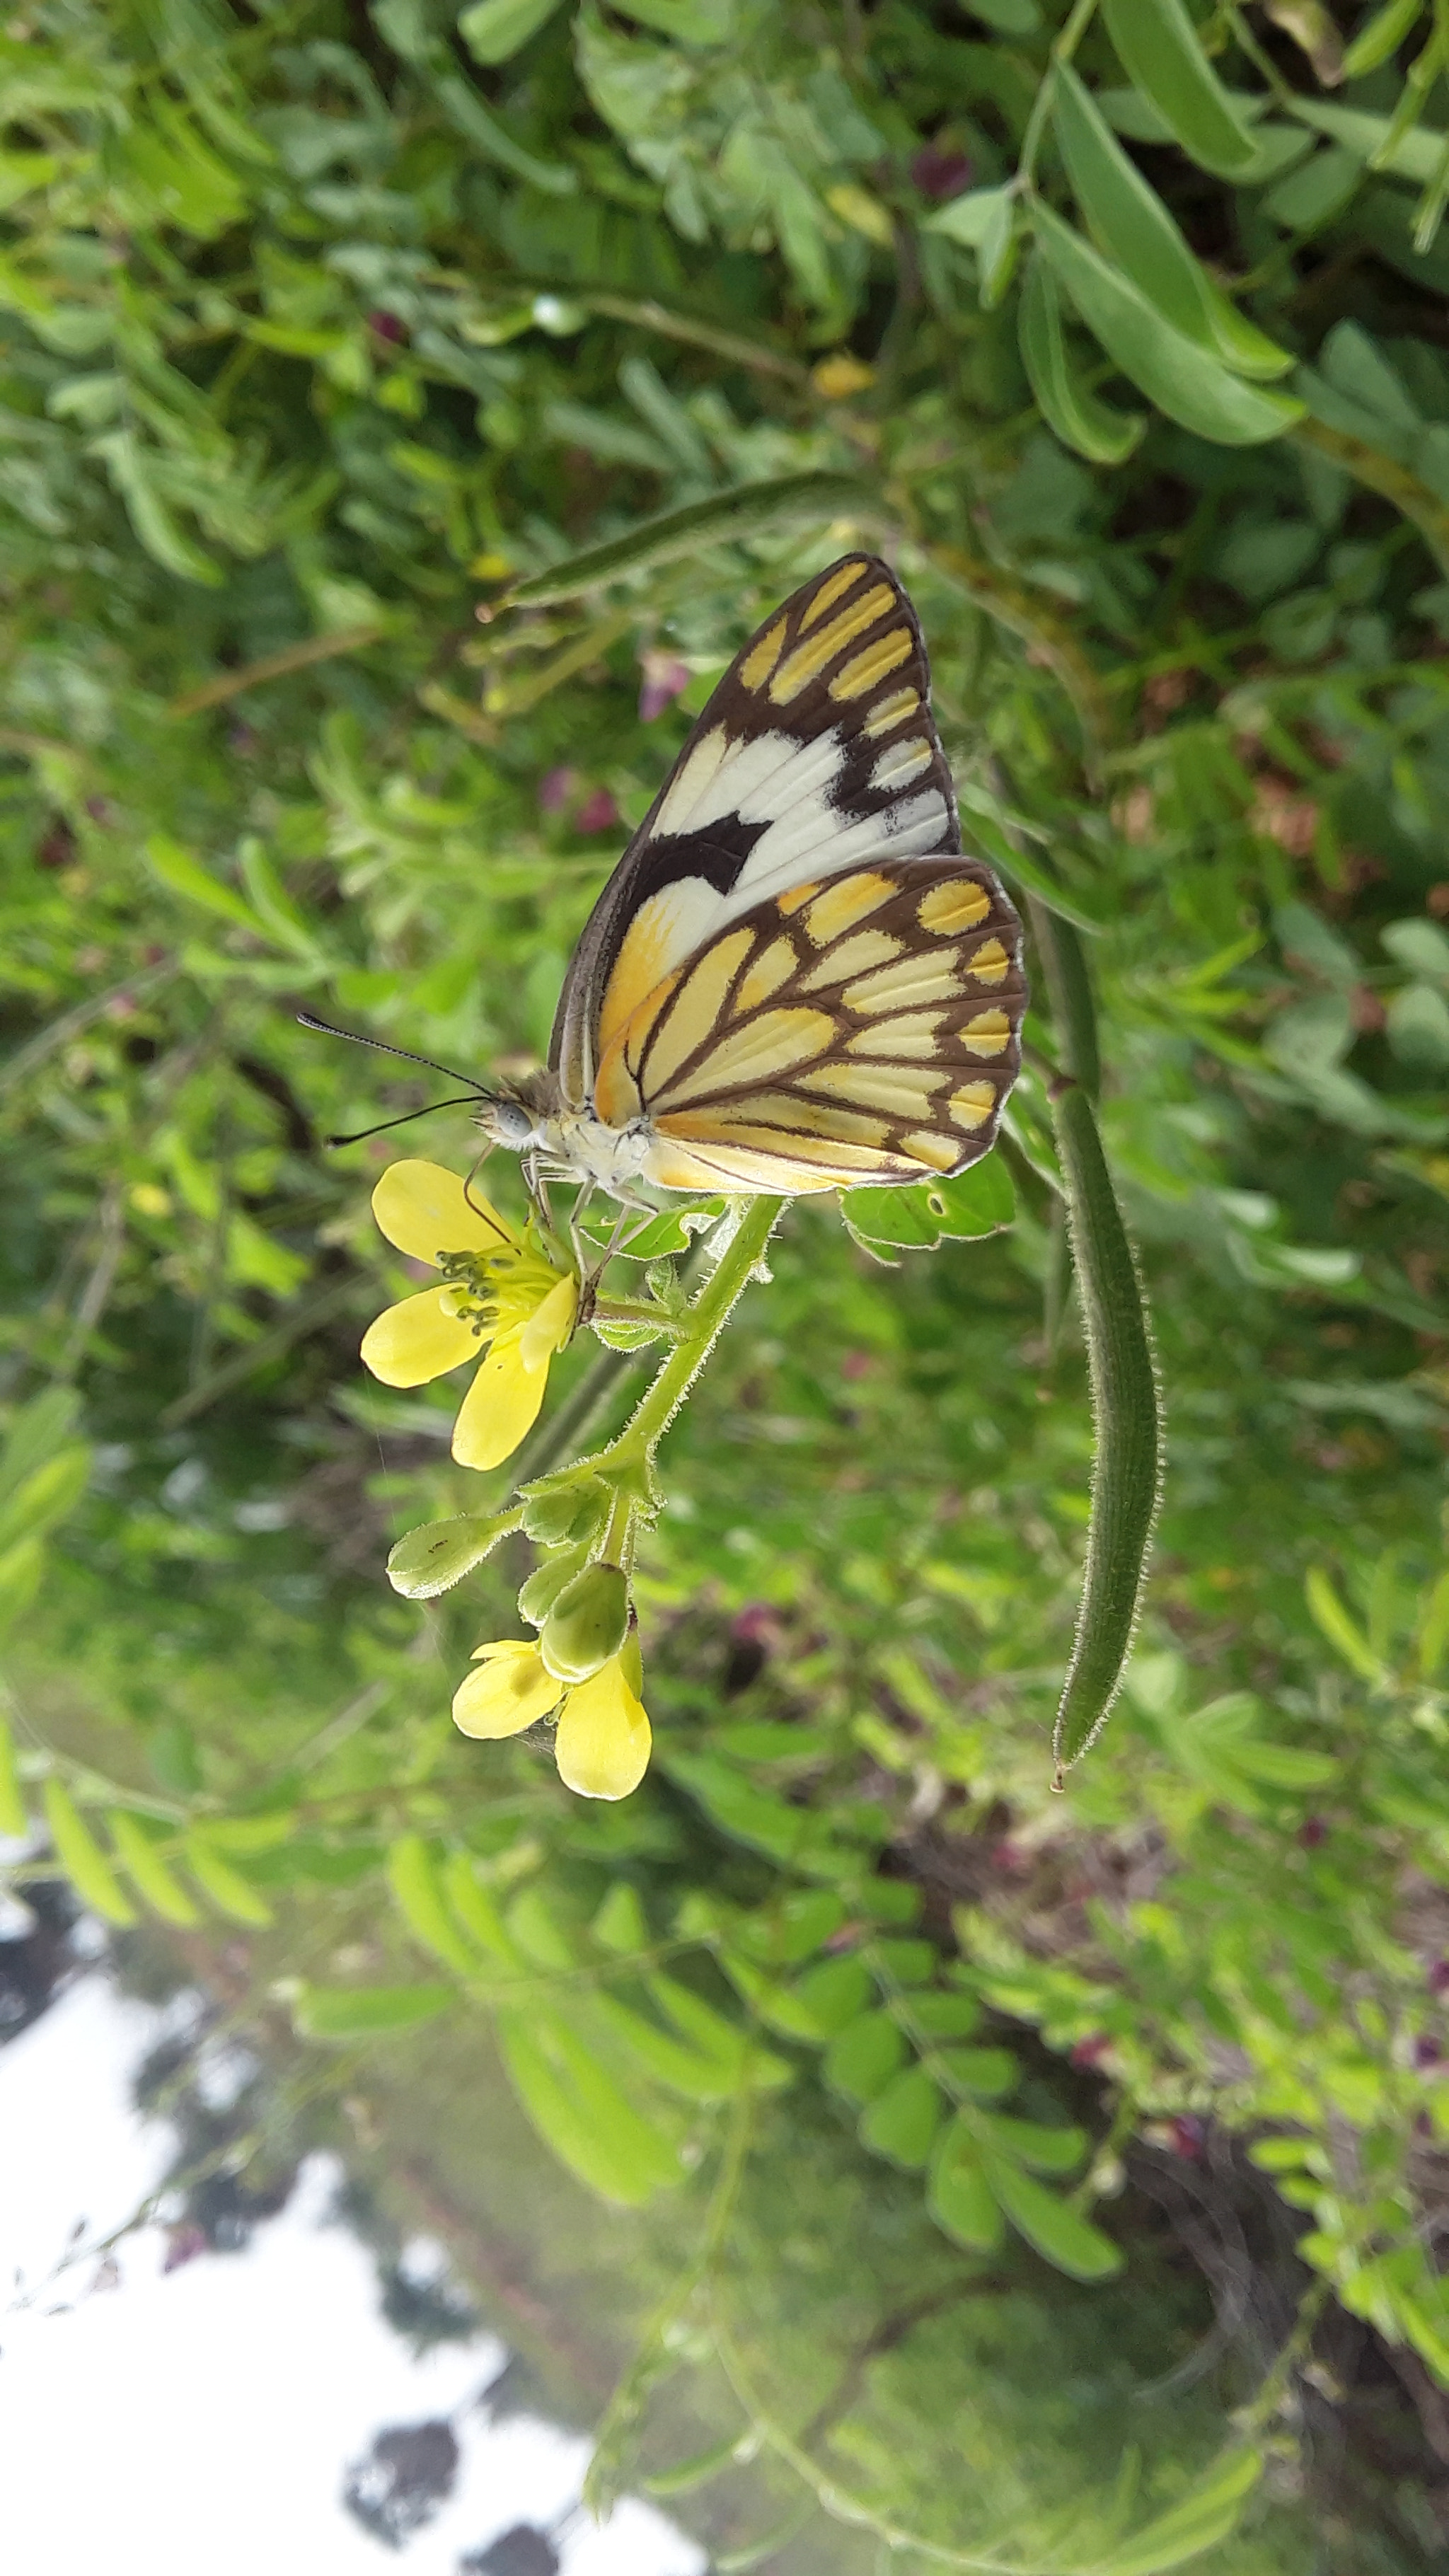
<point>794,976</point>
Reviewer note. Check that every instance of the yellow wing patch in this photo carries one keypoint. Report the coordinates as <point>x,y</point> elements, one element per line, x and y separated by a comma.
<point>843,1035</point>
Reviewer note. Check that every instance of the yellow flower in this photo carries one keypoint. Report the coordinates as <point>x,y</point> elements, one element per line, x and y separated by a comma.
<point>501,1294</point>
<point>603,1742</point>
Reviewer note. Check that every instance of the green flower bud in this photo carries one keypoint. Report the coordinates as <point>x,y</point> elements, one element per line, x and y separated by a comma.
<point>547,1581</point>
<point>574,1510</point>
<point>431,1559</point>
<point>588,1623</point>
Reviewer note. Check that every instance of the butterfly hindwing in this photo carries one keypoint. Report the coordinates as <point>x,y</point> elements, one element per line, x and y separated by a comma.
<point>863,1030</point>
<point>816,754</point>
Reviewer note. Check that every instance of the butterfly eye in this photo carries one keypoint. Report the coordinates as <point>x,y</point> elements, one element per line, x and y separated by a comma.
<point>507,1122</point>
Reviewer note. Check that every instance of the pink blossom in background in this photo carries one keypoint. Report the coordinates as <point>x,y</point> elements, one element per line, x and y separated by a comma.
<point>598,812</point>
<point>554,790</point>
<point>664,676</point>
<point>387,326</point>
<point>941,171</point>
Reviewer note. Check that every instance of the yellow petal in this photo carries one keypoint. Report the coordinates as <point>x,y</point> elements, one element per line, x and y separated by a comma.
<point>603,1741</point>
<point>550,1325</point>
<point>420,1339</point>
<point>508,1690</point>
<point>499,1409</point>
<point>422,1209</point>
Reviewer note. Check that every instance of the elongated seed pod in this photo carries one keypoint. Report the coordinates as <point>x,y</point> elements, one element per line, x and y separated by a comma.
<point>1127,1423</point>
<point>705,523</point>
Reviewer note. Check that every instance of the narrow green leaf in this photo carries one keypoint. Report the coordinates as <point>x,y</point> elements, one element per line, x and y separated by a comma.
<point>45,1496</point>
<point>1158,48</point>
<point>229,1892</point>
<point>741,513</point>
<point>579,2111</point>
<point>143,1863</point>
<point>1067,404</point>
<point>901,2122</point>
<point>1382,36</point>
<point>1069,2242</point>
<point>474,1906</point>
<point>14,1822</point>
<point>367,2012</point>
<point>1129,222</point>
<point>37,1430</point>
<point>177,869</point>
<point>1208,2514</point>
<point>1184,380</point>
<point>698,2471</point>
<point>999,249</point>
<point>414,1877</point>
<point>1128,1431</point>
<point>82,1859</point>
<point>1342,1632</point>
<point>493,30</point>
<point>1372,139</point>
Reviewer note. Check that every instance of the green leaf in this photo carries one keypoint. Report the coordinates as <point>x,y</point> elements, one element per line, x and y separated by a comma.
<point>475,1908</point>
<point>579,2111</point>
<point>862,2058</point>
<point>1330,1616</point>
<point>970,219</point>
<point>367,2012</point>
<point>495,29</point>
<point>940,2016</point>
<point>432,1558</point>
<point>1183,380</point>
<point>1131,225</point>
<point>834,1992</point>
<point>1064,2239</point>
<point>744,512</point>
<point>915,1218</point>
<point>37,1430</point>
<point>704,2465</point>
<point>14,1822</point>
<point>177,869</point>
<point>1127,1423</point>
<point>139,1857</point>
<point>1381,36</point>
<point>1157,46</point>
<point>229,1892</point>
<point>45,1496</point>
<point>1000,248</point>
<point>986,2072</point>
<point>1030,2142</point>
<point>416,1881</point>
<point>1372,140</point>
<point>959,2196</point>
<point>901,2122</point>
<point>1208,2514</point>
<point>82,1859</point>
<point>1067,404</point>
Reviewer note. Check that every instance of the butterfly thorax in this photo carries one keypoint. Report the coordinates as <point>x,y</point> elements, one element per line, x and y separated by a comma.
<point>565,1143</point>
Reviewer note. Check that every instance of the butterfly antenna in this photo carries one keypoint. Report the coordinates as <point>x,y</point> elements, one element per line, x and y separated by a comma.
<point>460,1100</point>
<point>478,1090</point>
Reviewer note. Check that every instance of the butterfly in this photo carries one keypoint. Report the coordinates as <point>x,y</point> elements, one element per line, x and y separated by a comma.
<point>795,980</point>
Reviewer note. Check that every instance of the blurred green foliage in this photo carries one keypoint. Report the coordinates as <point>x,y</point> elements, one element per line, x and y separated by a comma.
<point>323,325</point>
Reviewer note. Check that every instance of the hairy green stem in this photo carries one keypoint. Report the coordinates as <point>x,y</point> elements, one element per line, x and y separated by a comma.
<point>705,1321</point>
